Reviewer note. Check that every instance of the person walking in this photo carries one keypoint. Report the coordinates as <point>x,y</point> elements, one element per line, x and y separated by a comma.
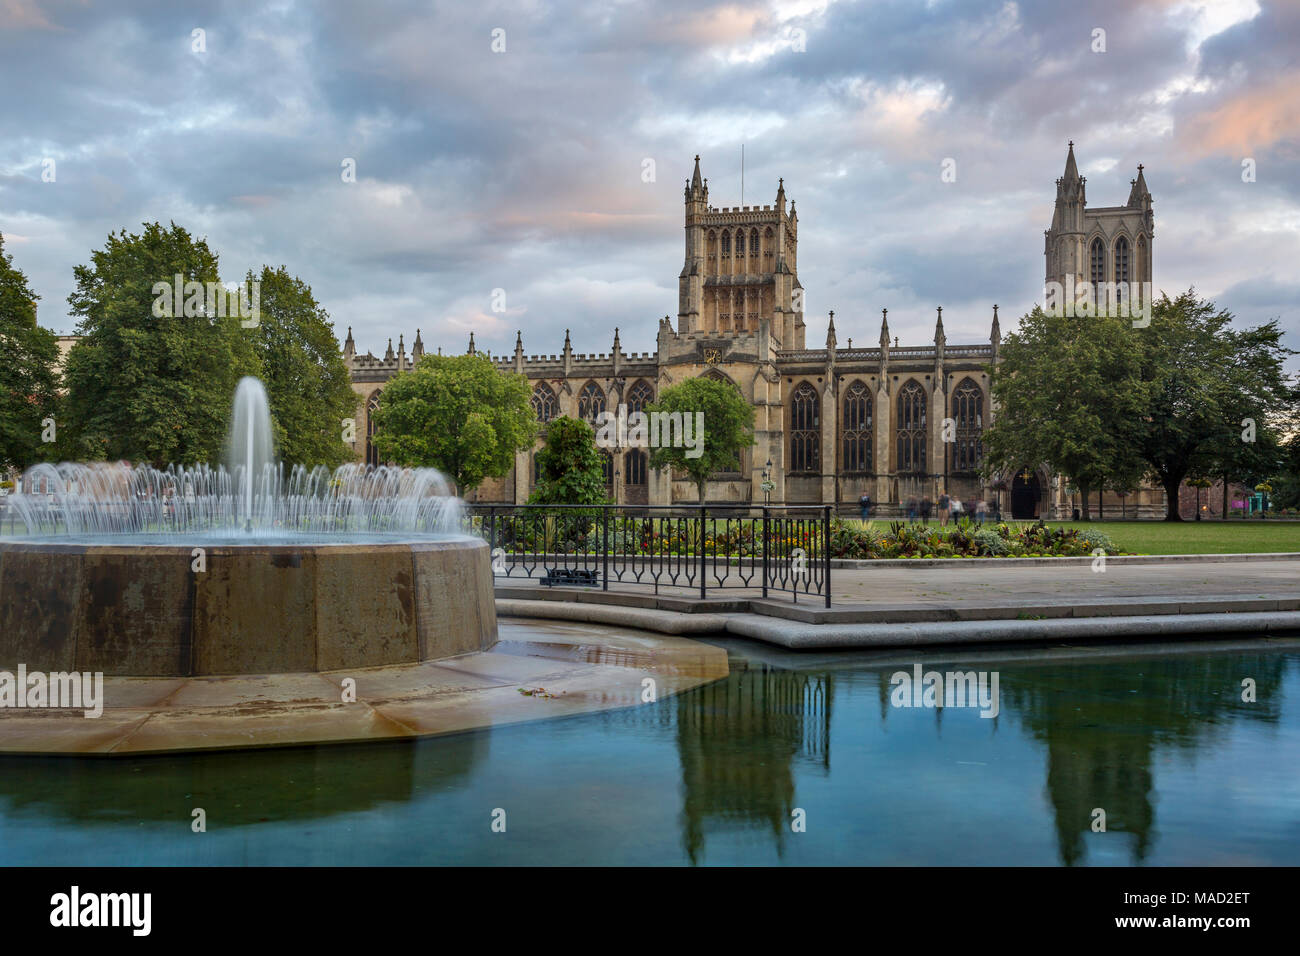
<point>943,510</point>
<point>911,509</point>
<point>926,505</point>
<point>981,509</point>
<point>865,504</point>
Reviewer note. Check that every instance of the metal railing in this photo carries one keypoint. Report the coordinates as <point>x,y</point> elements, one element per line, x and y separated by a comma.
<point>781,549</point>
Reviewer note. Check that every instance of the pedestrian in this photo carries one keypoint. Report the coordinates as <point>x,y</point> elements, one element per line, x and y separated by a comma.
<point>926,506</point>
<point>957,509</point>
<point>865,504</point>
<point>981,508</point>
<point>911,509</point>
<point>943,510</point>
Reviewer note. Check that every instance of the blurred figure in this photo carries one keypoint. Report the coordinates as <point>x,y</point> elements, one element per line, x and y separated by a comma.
<point>944,505</point>
<point>865,504</point>
<point>926,506</point>
<point>981,508</point>
<point>911,509</point>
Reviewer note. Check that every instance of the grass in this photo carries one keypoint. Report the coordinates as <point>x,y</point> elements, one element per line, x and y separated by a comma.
<point>1197,537</point>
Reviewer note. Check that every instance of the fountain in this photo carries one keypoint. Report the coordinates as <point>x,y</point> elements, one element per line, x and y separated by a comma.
<point>245,568</point>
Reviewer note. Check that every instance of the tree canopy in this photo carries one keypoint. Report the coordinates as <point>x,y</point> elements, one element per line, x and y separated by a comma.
<point>1106,403</point>
<point>728,426</point>
<point>144,386</point>
<point>303,369</point>
<point>28,375</point>
<point>456,413</point>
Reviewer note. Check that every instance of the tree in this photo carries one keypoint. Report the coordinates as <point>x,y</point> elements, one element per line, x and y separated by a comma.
<point>1200,381</point>
<point>727,426</point>
<point>1064,387</point>
<point>570,470</point>
<point>28,377</point>
<point>458,414</point>
<point>302,366</point>
<point>151,384</point>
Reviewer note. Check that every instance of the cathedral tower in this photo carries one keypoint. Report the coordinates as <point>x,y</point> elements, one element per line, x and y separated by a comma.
<point>740,268</point>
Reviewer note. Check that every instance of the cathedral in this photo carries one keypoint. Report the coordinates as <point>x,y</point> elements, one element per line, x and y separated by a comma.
<point>830,423</point>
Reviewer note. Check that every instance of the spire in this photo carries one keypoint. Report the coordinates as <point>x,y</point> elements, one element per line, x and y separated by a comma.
<point>471,344</point>
<point>388,356</point>
<point>1071,167</point>
<point>616,345</point>
<point>697,184</point>
<point>401,354</point>
<point>349,347</point>
<point>884,329</point>
<point>830,333</point>
<point>1139,193</point>
<point>780,194</point>
<point>519,341</point>
<point>401,344</point>
<point>417,347</point>
<point>995,336</point>
<point>939,337</point>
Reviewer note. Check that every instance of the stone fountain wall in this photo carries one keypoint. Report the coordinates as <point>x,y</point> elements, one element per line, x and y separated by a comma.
<point>255,609</point>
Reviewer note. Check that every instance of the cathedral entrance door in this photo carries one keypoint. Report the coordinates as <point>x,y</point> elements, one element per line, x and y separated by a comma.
<point>1024,495</point>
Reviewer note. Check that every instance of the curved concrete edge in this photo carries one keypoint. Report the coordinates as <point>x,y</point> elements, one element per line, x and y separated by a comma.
<point>646,619</point>
<point>1138,627</point>
<point>862,564</point>
<point>797,635</point>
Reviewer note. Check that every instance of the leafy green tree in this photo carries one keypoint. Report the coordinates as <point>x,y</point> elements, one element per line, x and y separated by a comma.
<point>458,414</point>
<point>570,469</point>
<point>1066,393</point>
<point>728,426</point>
<point>144,387</point>
<point>303,370</point>
<point>1200,379</point>
<point>28,376</point>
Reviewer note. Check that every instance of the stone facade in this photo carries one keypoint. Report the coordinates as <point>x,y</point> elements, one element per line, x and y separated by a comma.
<point>896,422</point>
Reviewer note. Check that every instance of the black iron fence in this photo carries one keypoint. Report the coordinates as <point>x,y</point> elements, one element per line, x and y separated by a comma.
<point>770,549</point>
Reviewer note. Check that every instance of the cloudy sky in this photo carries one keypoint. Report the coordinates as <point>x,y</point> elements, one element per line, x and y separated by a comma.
<point>522,169</point>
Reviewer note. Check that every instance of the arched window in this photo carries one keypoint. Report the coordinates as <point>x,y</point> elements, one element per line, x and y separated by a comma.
<point>805,429</point>
<point>857,428</point>
<point>740,242</point>
<point>591,402</point>
<point>1097,271</point>
<point>726,243</point>
<point>1121,260</point>
<point>753,242</point>
<point>607,466</point>
<point>968,411</point>
<point>911,428</point>
<point>635,461</point>
<point>543,402</point>
<point>639,396</point>
<point>372,405</point>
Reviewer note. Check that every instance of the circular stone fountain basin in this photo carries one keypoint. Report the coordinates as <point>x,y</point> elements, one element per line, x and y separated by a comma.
<point>191,605</point>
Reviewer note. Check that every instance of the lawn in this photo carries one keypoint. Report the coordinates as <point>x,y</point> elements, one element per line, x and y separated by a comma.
<point>1197,537</point>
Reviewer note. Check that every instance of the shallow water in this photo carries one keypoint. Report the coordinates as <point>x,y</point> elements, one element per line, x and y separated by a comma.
<point>1159,738</point>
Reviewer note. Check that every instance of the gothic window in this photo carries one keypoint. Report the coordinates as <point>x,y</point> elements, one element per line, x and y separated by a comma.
<point>372,406</point>
<point>639,396</point>
<point>857,428</point>
<point>1121,260</point>
<point>753,242</point>
<point>740,242</point>
<point>591,402</point>
<point>726,243</point>
<point>543,402</point>
<point>911,428</point>
<point>1097,274</point>
<point>805,429</point>
<point>968,412</point>
<point>635,460</point>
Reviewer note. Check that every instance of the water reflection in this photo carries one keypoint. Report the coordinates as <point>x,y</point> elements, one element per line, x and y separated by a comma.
<point>1158,737</point>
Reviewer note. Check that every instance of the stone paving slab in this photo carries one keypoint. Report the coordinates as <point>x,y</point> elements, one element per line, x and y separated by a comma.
<point>581,668</point>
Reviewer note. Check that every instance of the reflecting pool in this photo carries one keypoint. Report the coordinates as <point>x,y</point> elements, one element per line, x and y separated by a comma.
<point>1159,737</point>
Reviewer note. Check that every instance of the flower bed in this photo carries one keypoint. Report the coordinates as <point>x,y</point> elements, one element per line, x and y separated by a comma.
<point>862,539</point>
